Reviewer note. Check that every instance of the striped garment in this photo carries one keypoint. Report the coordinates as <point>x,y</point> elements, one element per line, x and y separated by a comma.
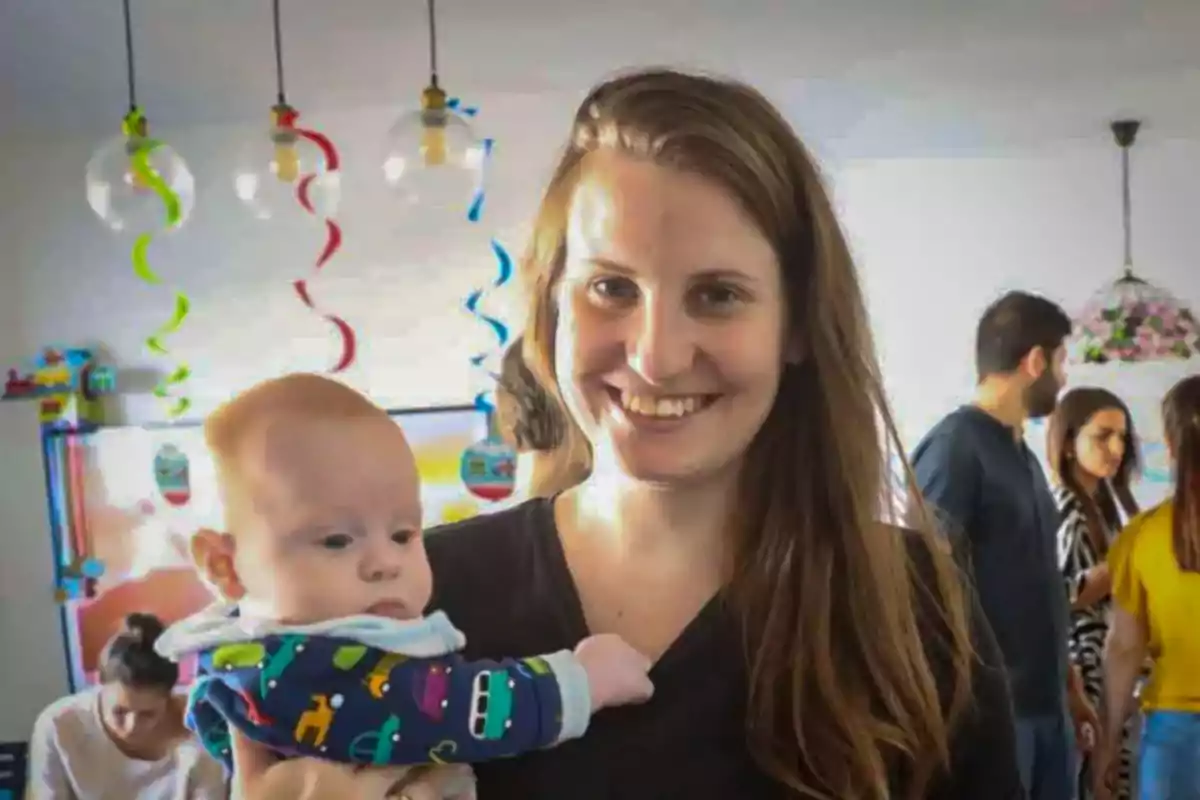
<point>1089,626</point>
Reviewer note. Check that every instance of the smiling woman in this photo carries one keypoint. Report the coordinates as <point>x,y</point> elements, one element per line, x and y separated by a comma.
<point>697,319</point>
<point>696,315</point>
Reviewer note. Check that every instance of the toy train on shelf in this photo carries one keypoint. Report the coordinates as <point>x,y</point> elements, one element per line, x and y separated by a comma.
<point>67,384</point>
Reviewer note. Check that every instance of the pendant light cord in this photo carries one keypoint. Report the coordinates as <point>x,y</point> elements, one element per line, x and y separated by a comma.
<point>280,93</point>
<point>129,58</point>
<point>433,61</point>
<point>1125,133</point>
<point>1127,211</point>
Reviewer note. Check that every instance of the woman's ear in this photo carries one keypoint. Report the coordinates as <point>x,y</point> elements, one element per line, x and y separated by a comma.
<point>212,554</point>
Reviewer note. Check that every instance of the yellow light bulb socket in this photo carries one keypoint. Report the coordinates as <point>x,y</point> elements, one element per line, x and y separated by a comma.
<point>285,163</point>
<point>433,98</point>
<point>433,126</point>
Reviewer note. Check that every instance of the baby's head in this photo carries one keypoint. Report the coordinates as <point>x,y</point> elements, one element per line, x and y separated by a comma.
<point>322,506</point>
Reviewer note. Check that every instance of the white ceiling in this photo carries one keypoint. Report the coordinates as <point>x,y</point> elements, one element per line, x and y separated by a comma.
<point>870,74</point>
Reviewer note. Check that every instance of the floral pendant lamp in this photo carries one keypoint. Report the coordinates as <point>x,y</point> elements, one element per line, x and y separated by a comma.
<point>1131,320</point>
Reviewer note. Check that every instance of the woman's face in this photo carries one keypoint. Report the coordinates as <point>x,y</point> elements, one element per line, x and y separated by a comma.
<point>134,715</point>
<point>1100,443</point>
<point>671,327</point>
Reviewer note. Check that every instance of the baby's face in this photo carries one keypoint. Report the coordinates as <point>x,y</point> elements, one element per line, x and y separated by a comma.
<point>329,524</point>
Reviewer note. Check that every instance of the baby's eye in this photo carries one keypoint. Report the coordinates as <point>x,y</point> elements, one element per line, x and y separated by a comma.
<point>336,541</point>
<point>403,537</point>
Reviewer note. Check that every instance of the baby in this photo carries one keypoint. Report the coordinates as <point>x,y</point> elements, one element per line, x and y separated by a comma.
<point>321,646</point>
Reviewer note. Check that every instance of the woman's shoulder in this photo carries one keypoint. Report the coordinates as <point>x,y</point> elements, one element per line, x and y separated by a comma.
<point>1152,523</point>
<point>1156,517</point>
<point>486,536</point>
<point>74,712</point>
<point>1066,499</point>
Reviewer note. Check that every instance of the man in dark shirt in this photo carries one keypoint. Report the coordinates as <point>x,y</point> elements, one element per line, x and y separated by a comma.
<point>990,492</point>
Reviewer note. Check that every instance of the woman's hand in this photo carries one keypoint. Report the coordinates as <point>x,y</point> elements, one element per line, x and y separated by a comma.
<point>1104,771</point>
<point>1083,713</point>
<point>1097,585</point>
<point>258,775</point>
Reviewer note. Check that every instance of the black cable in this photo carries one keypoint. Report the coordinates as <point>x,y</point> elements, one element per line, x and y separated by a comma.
<point>129,57</point>
<point>278,53</point>
<point>1126,210</point>
<point>433,65</point>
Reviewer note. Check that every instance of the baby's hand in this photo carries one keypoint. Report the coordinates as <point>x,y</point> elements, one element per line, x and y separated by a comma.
<point>617,674</point>
<point>444,782</point>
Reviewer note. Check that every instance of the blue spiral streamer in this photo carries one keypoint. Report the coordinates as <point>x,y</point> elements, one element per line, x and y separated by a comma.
<point>504,268</point>
<point>504,272</point>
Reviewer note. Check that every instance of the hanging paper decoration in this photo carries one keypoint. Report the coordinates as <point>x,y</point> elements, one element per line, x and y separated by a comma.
<point>432,156</point>
<point>172,475</point>
<point>1132,320</point>
<point>333,239</point>
<point>137,184</point>
<point>171,388</point>
<point>488,467</point>
<point>304,173</point>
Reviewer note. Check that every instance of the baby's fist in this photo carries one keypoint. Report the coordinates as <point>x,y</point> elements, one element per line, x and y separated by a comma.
<point>617,674</point>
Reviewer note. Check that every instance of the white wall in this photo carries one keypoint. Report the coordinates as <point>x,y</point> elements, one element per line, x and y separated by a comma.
<point>937,239</point>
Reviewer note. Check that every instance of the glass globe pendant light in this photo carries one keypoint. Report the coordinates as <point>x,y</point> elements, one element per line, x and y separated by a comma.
<point>432,155</point>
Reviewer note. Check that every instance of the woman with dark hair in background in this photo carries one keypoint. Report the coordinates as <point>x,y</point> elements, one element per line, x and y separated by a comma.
<point>1093,454</point>
<point>124,738</point>
<point>1155,567</point>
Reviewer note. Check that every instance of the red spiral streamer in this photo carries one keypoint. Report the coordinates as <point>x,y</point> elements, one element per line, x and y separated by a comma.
<point>333,238</point>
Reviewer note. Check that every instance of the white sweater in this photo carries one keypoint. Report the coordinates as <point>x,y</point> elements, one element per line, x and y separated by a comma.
<point>71,757</point>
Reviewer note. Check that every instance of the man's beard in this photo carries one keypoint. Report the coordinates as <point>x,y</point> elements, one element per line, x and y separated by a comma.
<point>1042,396</point>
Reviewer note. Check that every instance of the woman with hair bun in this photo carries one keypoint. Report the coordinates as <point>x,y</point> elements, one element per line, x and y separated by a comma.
<point>124,738</point>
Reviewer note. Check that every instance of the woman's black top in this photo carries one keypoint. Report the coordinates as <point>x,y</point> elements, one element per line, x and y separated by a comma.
<point>503,580</point>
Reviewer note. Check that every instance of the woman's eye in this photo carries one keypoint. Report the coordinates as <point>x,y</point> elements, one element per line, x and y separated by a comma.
<point>336,541</point>
<point>717,297</point>
<point>613,290</point>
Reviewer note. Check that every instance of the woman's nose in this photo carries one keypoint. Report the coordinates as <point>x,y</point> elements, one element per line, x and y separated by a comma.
<point>661,342</point>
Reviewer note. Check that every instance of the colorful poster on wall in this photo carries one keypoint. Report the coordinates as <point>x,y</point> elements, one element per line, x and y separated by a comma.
<point>145,492</point>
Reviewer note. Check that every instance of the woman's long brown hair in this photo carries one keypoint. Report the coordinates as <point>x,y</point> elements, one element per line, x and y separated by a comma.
<point>842,691</point>
<point>1074,410</point>
<point>1181,422</point>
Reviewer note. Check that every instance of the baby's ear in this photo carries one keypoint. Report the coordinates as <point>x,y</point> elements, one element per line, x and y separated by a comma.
<point>212,553</point>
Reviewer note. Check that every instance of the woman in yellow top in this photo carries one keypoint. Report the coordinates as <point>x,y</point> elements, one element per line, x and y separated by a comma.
<point>1155,568</point>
